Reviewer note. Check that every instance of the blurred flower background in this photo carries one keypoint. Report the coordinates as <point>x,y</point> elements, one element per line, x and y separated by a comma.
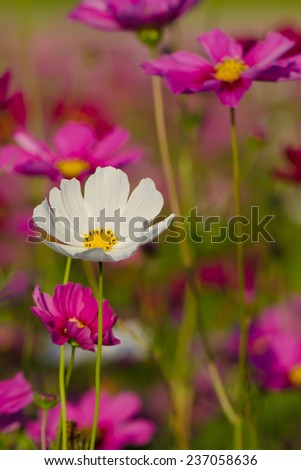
<point>59,76</point>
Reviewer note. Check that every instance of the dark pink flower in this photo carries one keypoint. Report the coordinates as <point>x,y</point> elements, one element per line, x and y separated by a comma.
<point>118,426</point>
<point>293,170</point>
<point>228,71</point>
<point>71,315</point>
<point>12,109</point>
<point>274,346</point>
<point>75,152</point>
<point>117,15</point>
<point>83,112</point>
<point>15,395</point>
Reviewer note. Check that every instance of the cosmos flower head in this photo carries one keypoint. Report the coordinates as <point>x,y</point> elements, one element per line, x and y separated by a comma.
<point>15,395</point>
<point>106,224</point>
<point>71,316</point>
<point>274,346</point>
<point>12,109</point>
<point>118,15</point>
<point>75,152</point>
<point>118,424</point>
<point>227,70</point>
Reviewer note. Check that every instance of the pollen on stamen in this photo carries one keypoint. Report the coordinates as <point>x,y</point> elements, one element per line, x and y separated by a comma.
<point>230,69</point>
<point>100,238</point>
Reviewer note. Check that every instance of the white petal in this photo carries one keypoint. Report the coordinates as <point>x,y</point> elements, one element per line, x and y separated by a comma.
<point>68,203</point>
<point>107,190</point>
<point>145,202</point>
<point>155,230</point>
<point>124,250</point>
<point>45,218</point>
<point>96,254</point>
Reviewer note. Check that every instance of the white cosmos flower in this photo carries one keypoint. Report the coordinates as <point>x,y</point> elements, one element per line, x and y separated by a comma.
<point>78,225</point>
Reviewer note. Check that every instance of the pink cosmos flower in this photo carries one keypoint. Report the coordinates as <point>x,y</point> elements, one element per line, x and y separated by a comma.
<point>12,109</point>
<point>293,170</point>
<point>118,426</point>
<point>15,395</point>
<point>274,346</point>
<point>75,152</point>
<point>71,315</point>
<point>118,15</point>
<point>227,71</point>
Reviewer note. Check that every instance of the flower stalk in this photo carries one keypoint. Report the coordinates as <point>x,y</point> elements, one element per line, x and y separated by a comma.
<point>98,360</point>
<point>240,276</point>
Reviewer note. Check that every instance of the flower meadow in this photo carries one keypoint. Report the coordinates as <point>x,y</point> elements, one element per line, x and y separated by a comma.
<point>150,169</point>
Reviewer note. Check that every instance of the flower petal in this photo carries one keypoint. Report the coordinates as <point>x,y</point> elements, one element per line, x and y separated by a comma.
<point>75,140</point>
<point>105,192</point>
<point>230,94</point>
<point>92,13</point>
<point>267,51</point>
<point>111,143</point>
<point>219,45</point>
<point>145,203</point>
<point>68,203</point>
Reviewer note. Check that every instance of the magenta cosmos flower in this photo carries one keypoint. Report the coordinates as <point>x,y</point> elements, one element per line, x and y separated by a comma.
<point>71,315</point>
<point>12,109</point>
<point>227,71</point>
<point>75,152</point>
<point>15,395</point>
<point>274,346</point>
<point>293,170</point>
<point>118,15</point>
<point>118,426</point>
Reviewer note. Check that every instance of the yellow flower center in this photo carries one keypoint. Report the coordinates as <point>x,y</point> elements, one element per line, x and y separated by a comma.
<point>102,238</point>
<point>230,69</point>
<point>77,321</point>
<point>295,375</point>
<point>72,167</point>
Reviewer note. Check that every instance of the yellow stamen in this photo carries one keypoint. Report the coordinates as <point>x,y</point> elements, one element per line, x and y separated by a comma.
<point>76,320</point>
<point>72,167</point>
<point>230,69</point>
<point>100,239</point>
<point>295,375</point>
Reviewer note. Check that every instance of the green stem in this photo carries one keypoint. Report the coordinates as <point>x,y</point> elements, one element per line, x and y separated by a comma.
<point>70,368</point>
<point>67,270</point>
<point>60,426</point>
<point>166,158</point>
<point>240,273</point>
<point>63,398</point>
<point>98,360</point>
<point>43,429</point>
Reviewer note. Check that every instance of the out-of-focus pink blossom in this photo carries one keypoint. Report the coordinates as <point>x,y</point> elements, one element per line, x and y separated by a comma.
<point>228,71</point>
<point>118,425</point>
<point>15,395</point>
<point>118,15</point>
<point>75,152</point>
<point>12,109</point>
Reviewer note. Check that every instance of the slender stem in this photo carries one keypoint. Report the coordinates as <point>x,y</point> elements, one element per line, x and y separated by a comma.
<point>98,360</point>
<point>70,368</point>
<point>166,159</point>
<point>59,429</point>
<point>43,429</point>
<point>67,270</point>
<point>188,322</point>
<point>240,267</point>
<point>63,398</point>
